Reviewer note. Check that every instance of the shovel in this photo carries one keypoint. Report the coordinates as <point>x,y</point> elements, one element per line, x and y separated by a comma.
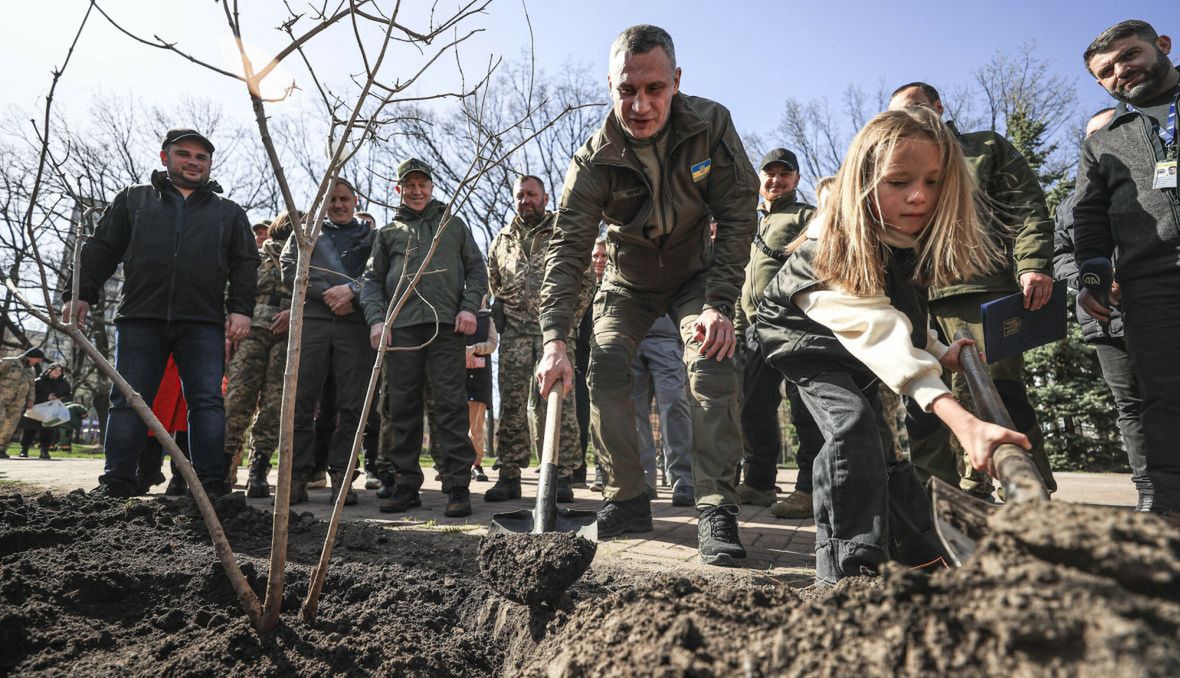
<point>960,519</point>
<point>546,517</point>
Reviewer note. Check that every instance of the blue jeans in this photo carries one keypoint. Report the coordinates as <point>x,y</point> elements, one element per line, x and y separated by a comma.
<point>142,348</point>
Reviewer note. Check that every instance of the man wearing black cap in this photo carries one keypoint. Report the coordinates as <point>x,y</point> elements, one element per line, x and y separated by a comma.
<point>190,270</point>
<point>17,376</point>
<point>781,217</point>
<point>335,339</point>
<point>427,336</point>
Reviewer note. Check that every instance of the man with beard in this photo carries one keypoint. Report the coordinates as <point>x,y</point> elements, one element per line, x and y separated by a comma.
<point>516,264</point>
<point>1127,207</point>
<point>189,275</point>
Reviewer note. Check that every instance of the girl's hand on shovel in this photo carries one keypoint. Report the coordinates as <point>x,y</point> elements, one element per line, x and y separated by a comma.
<point>979,438</point>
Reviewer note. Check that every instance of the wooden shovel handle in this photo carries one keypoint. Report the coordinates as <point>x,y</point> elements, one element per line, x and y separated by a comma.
<point>1013,467</point>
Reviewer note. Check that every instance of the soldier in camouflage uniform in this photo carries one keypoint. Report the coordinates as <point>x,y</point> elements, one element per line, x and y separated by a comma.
<point>255,373</point>
<point>1021,222</point>
<point>16,392</point>
<point>516,265</point>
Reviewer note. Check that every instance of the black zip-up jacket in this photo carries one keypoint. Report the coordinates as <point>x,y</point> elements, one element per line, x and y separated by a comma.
<point>1118,212</point>
<point>178,254</point>
<point>338,258</point>
<point>1065,267</point>
<point>44,386</point>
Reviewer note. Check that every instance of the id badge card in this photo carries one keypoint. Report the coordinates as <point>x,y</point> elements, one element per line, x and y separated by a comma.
<point>1165,175</point>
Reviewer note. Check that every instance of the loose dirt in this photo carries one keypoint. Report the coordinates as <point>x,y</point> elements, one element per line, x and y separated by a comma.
<point>1055,589</point>
<point>534,568</point>
<point>93,586</point>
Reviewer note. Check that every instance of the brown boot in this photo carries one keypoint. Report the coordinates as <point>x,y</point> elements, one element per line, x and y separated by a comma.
<point>298,489</point>
<point>796,505</point>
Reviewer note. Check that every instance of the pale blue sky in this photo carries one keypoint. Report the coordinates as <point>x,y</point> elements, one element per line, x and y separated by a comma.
<point>750,56</point>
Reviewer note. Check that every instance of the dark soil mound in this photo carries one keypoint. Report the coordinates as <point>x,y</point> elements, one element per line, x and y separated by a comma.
<point>1056,588</point>
<point>534,568</point>
<point>98,586</point>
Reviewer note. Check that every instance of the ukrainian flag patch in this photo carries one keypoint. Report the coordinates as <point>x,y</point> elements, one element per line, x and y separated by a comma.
<point>701,169</point>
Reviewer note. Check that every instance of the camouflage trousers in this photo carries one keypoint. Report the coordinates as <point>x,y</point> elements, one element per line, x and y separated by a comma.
<point>515,440</point>
<point>255,384</point>
<point>10,413</point>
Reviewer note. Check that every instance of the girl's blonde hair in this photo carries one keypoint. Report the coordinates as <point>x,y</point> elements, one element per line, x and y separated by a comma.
<point>954,246</point>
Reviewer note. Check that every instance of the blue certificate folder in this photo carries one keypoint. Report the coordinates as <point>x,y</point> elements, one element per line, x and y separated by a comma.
<point>1009,329</point>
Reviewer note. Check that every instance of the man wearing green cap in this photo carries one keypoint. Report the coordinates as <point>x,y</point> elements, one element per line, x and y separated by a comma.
<point>427,335</point>
<point>660,168</point>
<point>17,377</point>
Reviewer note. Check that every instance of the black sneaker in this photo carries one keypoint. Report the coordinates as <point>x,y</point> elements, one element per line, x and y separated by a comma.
<point>44,455</point>
<point>617,517</point>
<point>504,489</point>
<point>717,536</point>
<point>403,499</point>
<point>478,474</point>
<point>683,495</point>
<point>459,503</point>
<point>565,491</point>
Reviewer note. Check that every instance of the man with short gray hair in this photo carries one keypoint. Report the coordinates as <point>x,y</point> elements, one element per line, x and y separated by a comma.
<point>662,164</point>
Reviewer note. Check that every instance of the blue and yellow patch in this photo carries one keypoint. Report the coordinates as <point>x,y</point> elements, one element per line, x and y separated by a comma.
<point>701,169</point>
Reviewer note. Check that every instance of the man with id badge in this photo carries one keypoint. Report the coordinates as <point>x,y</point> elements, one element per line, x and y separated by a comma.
<point>1128,208</point>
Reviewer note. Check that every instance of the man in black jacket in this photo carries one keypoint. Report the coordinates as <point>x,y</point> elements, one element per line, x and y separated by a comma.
<point>189,273</point>
<point>335,338</point>
<point>1128,207</point>
<point>1106,338</point>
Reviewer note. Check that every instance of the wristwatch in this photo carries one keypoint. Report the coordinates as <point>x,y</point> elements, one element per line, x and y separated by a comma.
<point>724,309</point>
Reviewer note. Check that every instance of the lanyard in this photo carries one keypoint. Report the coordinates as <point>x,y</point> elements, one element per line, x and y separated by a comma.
<point>1167,131</point>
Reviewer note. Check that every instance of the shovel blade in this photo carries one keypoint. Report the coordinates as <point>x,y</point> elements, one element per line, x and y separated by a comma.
<point>581,522</point>
<point>959,519</point>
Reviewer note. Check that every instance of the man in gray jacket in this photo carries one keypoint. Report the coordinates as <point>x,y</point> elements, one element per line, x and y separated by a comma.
<point>1128,207</point>
<point>335,338</point>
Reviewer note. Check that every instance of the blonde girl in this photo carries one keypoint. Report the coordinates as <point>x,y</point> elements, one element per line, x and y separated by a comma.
<point>849,309</point>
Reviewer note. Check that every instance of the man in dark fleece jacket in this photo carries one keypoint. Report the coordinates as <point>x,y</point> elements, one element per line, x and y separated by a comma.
<point>1127,206</point>
<point>335,338</point>
<point>189,274</point>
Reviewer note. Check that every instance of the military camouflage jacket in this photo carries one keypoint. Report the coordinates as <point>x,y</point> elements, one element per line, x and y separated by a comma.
<point>779,223</point>
<point>16,380</point>
<point>272,295</point>
<point>1016,203</point>
<point>705,174</point>
<point>514,276</point>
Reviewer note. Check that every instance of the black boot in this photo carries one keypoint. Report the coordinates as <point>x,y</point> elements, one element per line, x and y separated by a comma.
<point>338,481</point>
<point>631,515</point>
<point>256,485</point>
<point>717,536</point>
<point>388,487</point>
<point>176,485</point>
<point>504,489</point>
<point>578,479</point>
<point>24,453</point>
<point>403,499</point>
<point>565,491</point>
<point>459,503</point>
